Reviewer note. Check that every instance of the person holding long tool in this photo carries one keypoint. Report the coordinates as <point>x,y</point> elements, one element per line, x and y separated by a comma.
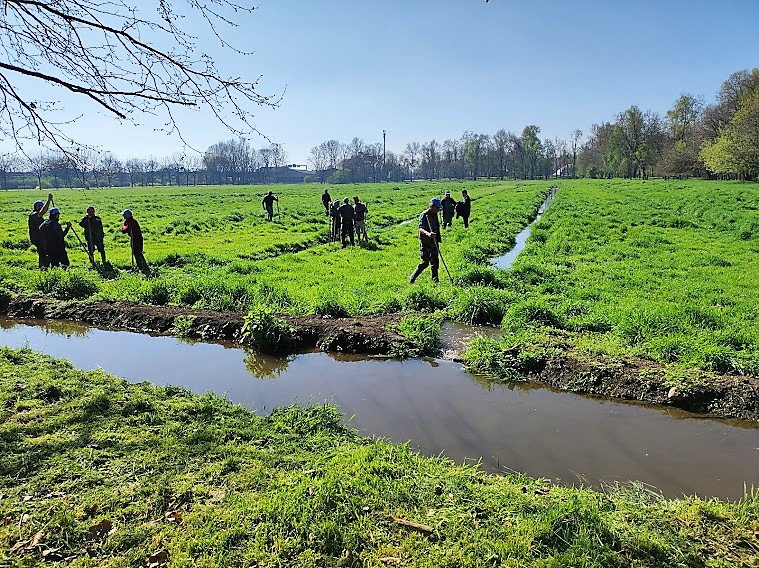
<point>93,233</point>
<point>268,204</point>
<point>36,218</point>
<point>132,228</point>
<point>361,211</point>
<point>429,237</point>
<point>54,239</point>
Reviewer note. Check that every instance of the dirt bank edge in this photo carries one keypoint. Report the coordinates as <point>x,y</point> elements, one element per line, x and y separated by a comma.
<point>726,396</point>
<point>367,335</point>
<point>729,396</point>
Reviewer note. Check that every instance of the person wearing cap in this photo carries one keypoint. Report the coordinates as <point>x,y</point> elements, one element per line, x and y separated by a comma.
<point>347,217</point>
<point>268,204</point>
<point>132,228</point>
<point>449,208</point>
<point>93,233</point>
<point>360,210</point>
<point>465,207</point>
<point>54,239</point>
<point>36,217</point>
<point>429,235</point>
<point>334,212</point>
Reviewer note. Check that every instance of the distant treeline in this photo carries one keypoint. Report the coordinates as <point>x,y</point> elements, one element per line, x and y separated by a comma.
<point>693,140</point>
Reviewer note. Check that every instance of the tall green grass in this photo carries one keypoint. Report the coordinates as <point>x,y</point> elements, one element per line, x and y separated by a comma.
<point>100,472</point>
<point>655,269</point>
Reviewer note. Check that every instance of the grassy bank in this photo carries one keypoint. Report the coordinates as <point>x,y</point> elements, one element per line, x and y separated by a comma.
<point>100,472</point>
<point>660,270</point>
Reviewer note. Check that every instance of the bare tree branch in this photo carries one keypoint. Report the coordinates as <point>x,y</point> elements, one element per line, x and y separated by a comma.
<point>125,62</point>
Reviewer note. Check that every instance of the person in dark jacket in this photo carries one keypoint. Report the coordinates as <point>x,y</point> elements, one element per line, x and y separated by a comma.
<point>347,216</point>
<point>360,210</point>
<point>326,201</point>
<point>54,239</point>
<point>268,204</point>
<point>428,232</point>
<point>449,208</point>
<point>334,212</point>
<point>93,233</point>
<point>36,217</point>
<point>132,228</point>
<point>466,207</point>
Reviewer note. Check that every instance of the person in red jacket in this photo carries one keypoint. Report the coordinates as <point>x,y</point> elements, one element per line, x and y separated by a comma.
<point>132,228</point>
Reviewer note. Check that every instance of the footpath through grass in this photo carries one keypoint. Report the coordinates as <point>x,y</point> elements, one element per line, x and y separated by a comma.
<point>96,471</point>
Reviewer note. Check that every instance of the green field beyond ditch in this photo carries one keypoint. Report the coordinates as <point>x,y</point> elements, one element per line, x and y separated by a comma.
<point>211,247</point>
<point>664,270</point>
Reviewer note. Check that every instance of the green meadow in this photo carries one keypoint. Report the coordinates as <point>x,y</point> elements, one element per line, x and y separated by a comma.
<point>211,247</point>
<point>663,270</point>
<point>100,472</point>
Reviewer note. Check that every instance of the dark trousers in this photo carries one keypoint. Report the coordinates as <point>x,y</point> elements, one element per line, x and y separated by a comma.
<point>139,258</point>
<point>447,219</point>
<point>141,263</point>
<point>347,230</point>
<point>96,244</point>
<point>42,260</point>
<point>465,218</point>
<point>58,258</point>
<point>429,255</point>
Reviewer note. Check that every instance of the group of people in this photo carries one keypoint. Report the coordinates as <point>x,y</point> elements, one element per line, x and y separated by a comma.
<point>348,221</point>
<point>428,230</point>
<point>460,208</point>
<point>49,237</point>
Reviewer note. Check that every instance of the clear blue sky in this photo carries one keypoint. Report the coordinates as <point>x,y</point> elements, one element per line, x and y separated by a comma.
<point>424,69</point>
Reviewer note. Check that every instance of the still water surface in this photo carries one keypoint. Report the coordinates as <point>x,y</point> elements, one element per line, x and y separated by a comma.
<point>508,259</point>
<point>439,408</point>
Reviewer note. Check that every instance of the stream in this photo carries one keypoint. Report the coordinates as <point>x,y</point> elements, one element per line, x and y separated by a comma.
<point>504,262</point>
<point>437,407</point>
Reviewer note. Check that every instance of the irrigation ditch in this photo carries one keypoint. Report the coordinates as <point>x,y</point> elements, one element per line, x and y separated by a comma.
<point>437,407</point>
<point>539,426</point>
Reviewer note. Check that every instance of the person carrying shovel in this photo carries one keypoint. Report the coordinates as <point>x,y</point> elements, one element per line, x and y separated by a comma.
<point>36,218</point>
<point>93,233</point>
<point>132,228</point>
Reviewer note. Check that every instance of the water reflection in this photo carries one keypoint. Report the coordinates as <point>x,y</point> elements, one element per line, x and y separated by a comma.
<point>263,366</point>
<point>455,337</point>
<point>442,410</point>
<point>56,327</point>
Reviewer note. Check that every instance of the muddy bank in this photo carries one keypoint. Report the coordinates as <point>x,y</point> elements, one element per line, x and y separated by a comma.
<point>368,335</point>
<point>734,396</point>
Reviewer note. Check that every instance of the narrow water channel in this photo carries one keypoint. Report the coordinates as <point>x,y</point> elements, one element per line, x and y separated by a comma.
<point>439,408</point>
<point>507,259</point>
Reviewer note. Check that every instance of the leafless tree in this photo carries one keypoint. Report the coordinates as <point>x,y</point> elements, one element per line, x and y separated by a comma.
<point>9,163</point>
<point>335,151</point>
<point>319,159</point>
<point>411,156</point>
<point>109,166</point>
<point>121,58</point>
